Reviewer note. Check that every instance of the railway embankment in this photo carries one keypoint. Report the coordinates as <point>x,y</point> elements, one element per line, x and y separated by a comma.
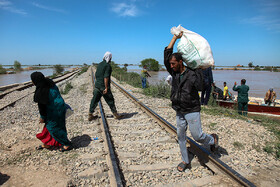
<point>241,143</point>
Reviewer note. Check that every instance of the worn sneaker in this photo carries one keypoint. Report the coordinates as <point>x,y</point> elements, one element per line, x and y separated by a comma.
<point>92,117</point>
<point>118,116</point>
<point>215,146</point>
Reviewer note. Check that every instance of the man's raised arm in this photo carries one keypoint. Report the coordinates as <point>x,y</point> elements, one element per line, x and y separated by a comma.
<point>169,50</point>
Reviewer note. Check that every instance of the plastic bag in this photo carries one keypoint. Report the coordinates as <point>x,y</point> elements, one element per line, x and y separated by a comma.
<point>69,111</point>
<point>195,50</point>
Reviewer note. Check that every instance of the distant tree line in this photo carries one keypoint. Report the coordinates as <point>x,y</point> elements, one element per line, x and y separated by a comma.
<point>265,68</point>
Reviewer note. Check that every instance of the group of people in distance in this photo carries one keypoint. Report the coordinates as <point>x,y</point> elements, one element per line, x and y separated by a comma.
<point>218,94</point>
<point>186,84</point>
<point>242,98</point>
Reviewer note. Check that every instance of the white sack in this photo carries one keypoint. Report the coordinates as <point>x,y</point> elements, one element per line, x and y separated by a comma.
<point>195,50</point>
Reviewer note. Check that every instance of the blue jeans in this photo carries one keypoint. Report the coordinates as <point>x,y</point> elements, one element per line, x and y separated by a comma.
<point>193,120</point>
<point>143,79</point>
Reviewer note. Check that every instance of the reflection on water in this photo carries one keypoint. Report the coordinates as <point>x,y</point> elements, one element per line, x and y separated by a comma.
<point>258,81</point>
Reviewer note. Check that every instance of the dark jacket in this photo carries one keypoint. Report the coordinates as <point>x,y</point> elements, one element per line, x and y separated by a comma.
<point>184,93</point>
<point>208,77</point>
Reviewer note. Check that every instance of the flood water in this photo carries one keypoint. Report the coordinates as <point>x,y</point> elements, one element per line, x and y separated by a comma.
<point>24,76</point>
<point>258,81</point>
<point>21,77</point>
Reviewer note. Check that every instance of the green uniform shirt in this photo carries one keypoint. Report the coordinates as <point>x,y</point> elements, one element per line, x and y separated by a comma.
<point>103,70</point>
<point>242,93</point>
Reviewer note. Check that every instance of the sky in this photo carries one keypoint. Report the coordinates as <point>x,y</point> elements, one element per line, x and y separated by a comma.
<point>80,31</point>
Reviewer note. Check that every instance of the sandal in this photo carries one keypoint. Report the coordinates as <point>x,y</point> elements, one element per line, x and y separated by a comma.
<point>62,149</point>
<point>40,147</point>
<point>184,166</point>
<point>215,146</point>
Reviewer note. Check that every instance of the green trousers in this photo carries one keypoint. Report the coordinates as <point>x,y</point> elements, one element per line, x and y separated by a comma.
<point>243,108</point>
<point>97,94</point>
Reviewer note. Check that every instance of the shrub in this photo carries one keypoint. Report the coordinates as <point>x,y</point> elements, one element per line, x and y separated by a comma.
<point>67,88</point>
<point>212,101</point>
<point>53,76</point>
<point>212,125</point>
<point>131,78</point>
<point>159,90</point>
<point>17,66</point>
<point>58,69</point>
<point>268,68</point>
<point>83,69</point>
<point>268,149</point>
<point>238,145</point>
<point>257,147</point>
<point>83,88</point>
<point>257,68</point>
<point>250,64</point>
<point>2,70</point>
<point>125,67</point>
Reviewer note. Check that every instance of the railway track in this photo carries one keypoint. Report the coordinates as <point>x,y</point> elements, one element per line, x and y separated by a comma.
<point>143,150</point>
<point>10,92</point>
<point>145,154</point>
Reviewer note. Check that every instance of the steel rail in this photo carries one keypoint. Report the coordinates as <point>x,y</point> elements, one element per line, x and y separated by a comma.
<point>200,151</point>
<point>30,85</point>
<point>116,172</point>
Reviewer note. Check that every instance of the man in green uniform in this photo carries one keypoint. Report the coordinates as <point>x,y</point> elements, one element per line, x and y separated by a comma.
<point>102,87</point>
<point>242,97</point>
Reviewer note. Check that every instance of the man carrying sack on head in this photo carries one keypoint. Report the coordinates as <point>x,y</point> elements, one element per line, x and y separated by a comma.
<point>186,83</point>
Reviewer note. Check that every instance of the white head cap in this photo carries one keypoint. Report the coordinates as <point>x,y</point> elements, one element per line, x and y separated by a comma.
<point>107,56</point>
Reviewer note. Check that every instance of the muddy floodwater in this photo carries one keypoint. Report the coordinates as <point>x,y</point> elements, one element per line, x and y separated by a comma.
<point>258,81</point>
<point>23,76</point>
